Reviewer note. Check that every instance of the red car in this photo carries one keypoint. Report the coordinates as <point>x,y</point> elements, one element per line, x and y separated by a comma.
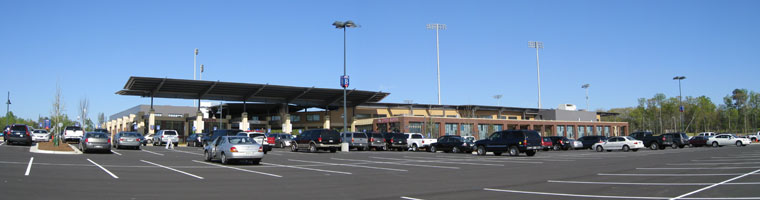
<point>546,143</point>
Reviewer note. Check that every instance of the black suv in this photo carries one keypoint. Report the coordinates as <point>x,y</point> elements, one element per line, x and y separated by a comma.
<point>559,142</point>
<point>395,141</point>
<point>654,142</point>
<point>317,139</point>
<point>18,133</point>
<point>589,141</point>
<point>513,142</point>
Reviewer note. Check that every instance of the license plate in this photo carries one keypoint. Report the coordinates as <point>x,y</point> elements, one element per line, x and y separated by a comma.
<point>98,146</point>
<point>331,140</point>
<point>249,153</point>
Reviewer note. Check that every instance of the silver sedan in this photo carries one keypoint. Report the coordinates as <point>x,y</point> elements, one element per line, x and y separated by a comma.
<point>228,148</point>
<point>95,141</point>
<point>126,139</point>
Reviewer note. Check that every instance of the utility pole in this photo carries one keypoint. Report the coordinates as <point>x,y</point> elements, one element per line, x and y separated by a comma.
<point>437,27</point>
<point>344,79</point>
<point>537,45</point>
<point>680,104</point>
<point>8,104</point>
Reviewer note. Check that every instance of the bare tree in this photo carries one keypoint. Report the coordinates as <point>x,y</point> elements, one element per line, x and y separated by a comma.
<point>84,104</point>
<point>58,109</point>
<point>101,118</point>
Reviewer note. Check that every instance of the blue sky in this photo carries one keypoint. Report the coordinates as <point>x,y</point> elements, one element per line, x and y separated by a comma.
<point>624,49</point>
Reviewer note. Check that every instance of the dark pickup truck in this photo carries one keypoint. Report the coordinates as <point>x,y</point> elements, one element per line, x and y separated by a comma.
<point>513,142</point>
<point>652,141</point>
<point>680,140</point>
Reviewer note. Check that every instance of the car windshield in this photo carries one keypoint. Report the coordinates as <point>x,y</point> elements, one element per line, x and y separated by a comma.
<point>629,138</point>
<point>130,135</point>
<point>257,135</point>
<point>360,135</point>
<point>240,140</point>
<point>170,133</point>
<point>470,139</point>
<point>19,128</point>
<point>97,135</point>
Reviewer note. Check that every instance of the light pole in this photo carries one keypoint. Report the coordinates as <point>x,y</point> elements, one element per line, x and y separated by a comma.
<point>498,99</point>
<point>200,77</point>
<point>680,104</point>
<point>437,27</point>
<point>344,79</point>
<point>537,45</point>
<point>8,104</point>
<point>194,65</point>
<point>585,86</point>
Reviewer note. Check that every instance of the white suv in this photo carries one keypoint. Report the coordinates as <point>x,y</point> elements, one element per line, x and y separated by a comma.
<point>165,136</point>
<point>73,133</point>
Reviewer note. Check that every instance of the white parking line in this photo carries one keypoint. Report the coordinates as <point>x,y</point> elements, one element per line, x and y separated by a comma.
<point>29,167</point>
<point>646,183</point>
<point>396,163</point>
<point>480,160</point>
<point>199,154</point>
<point>717,184</point>
<point>410,198</point>
<point>117,153</point>
<point>728,174</point>
<point>103,168</point>
<point>694,168</point>
<point>436,161</point>
<point>312,169</point>
<point>239,169</point>
<point>573,195</point>
<point>350,165</point>
<point>727,160</point>
<point>169,168</point>
<point>152,152</point>
<point>739,163</point>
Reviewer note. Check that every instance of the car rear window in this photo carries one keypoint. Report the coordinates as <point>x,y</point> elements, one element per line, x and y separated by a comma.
<point>331,133</point>
<point>73,128</point>
<point>18,128</point>
<point>360,135</point>
<point>130,135</point>
<point>240,140</point>
<point>170,133</point>
<point>415,136</point>
<point>97,135</point>
<point>377,135</point>
<point>532,134</point>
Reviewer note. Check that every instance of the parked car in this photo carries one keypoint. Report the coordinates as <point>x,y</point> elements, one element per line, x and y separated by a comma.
<point>559,143</point>
<point>355,140</point>
<point>727,139</point>
<point>589,141</point>
<point>654,142</point>
<point>395,141</point>
<point>317,139</point>
<point>575,144</point>
<point>218,133</point>
<point>40,135</point>
<point>376,141</point>
<point>698,141</point>
<point>546,143</point>
<point>100,130</point>
<point>512,141</point>
<point>754,137</point>
<point>194,140</point>
<point>72,133</point>
<point>625,143</point>
<point>18,133</point>
<point>165,136</point>
<point>229,148</point>
<point>148,138</point>
<point>680,140</point>
<point>417,141</point>
<point>452,143</point>
<point>126,139</point>
<point>258,137</point>
<point>95,141</point>
<point>5,130</point>
<point>282,140</point>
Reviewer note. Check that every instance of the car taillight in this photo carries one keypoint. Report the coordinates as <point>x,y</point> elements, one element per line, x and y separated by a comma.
<point>261,149</point>
<point>635,142</point>
<point>384,140</point>
<point>525,141</point>
<point>663,138</point>
<point>319,139</point>
<point>423,142</point>
<point>233,149</point>
<point>108,141</point>
<point>561,142</point>
<point>371,139</point>
<point>86,140</point>
<point>391,140</point>
<point>121,139</point>
<point>600,141</point>
<point>162,137</point>
<point>352,139</point>
<point>138,139</point>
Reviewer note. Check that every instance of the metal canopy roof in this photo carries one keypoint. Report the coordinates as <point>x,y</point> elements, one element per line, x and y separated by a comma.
<point>249,92</point>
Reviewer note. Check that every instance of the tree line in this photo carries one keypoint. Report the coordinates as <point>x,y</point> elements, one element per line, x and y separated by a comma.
<point>738,113</point>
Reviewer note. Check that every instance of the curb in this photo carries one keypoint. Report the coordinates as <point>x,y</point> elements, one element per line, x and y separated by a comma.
<point>35,149</point>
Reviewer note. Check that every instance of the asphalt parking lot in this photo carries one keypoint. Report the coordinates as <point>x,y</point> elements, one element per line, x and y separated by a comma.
<point>158,173</point>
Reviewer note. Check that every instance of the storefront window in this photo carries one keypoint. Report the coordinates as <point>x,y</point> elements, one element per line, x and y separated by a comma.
<point>560,130</point>
<point>483,130</point>
<point>466,130</point>
<point>415,127</point>
<point>599,130</point>
<point>498,127</point>
<point>312,117</point>
<point>607,131</point>
<point>451,129</point>
<point>295,118</point>
<point>570,132</point>
<point>581,131</point>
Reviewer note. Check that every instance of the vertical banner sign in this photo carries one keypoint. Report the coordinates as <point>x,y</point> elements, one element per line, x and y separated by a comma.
<point>47,123</point>
<point>344,81</point>
<point>681,108</point>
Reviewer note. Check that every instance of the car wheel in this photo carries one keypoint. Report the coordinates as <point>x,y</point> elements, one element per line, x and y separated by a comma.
<point>384,148</point>
<point>224,159</point>
<point>739,143</point>
<point>555,147</point>
<point>293,148</point>
<point>715,144</point>
<point>513,151</point>
<point>456,150</point>
<point>414,147</point>
<point>600,148</point>
<point>256,161</point>
<point>626,148</point>
<point>674,146</point>
<point>175,144</point>
<point>282,145</point>
<point>654,146</point>
<point>312,148</point>
<point>481,150</point>
<point>531,153</point>
<point>207,155</point>
<point>432,149</point>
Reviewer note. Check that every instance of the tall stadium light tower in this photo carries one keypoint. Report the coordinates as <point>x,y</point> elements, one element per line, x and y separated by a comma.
<point>585,86</point>
<point>537,45</point>
<point>437,27</point>
<point>195,58</point>
<point>680,105</point>
<point>498,99</point>
<point>344,79</point>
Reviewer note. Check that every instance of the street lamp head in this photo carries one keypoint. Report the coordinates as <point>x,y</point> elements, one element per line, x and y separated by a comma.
<point>196,51</point>
<point>585,86</point>
<point>536,44</point>
<point>346,24</point>
<point>679,78</point>
<point>497,96</point>
<point>436,26</point>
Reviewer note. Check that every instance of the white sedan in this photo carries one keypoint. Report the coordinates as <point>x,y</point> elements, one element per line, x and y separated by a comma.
<point>727,139</point>
<point>40,135</point>
<point>624,143</point>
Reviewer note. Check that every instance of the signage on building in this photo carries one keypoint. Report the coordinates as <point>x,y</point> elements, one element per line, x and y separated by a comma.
<point>386,120</point>
<point>47,123</point>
